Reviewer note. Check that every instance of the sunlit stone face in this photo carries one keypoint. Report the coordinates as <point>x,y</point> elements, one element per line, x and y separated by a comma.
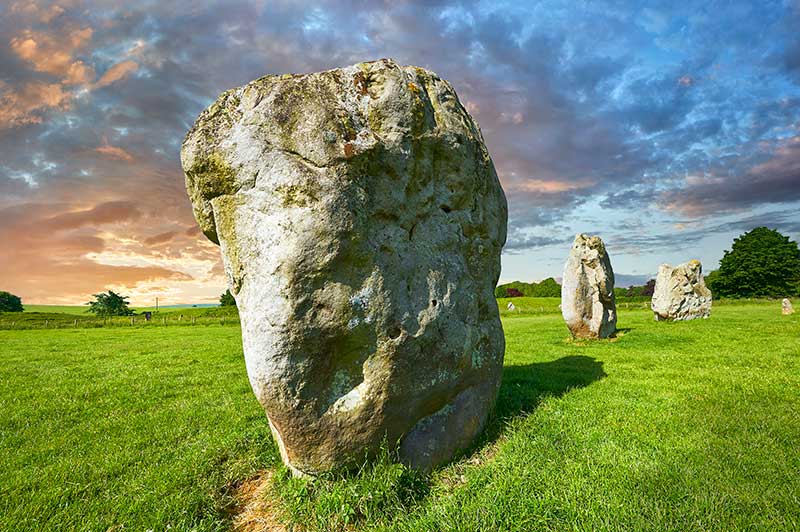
<point>360,220</point>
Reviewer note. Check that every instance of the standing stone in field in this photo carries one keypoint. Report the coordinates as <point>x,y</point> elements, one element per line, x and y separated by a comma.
<point>786,307</point>
<point>681,293</point>
<point>360,220</point>
<point>587,290</point>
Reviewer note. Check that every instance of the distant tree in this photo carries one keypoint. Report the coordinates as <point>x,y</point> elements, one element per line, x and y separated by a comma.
<point>10,303</point>
<point>649,288</point>
<point>513,292</point>
<point>109,304</point>
<point>227,300</point>
<point>711,278</point>
<point>762,262</point>
<point>646,289</point>
<point>634,291</point>
<point>547,288</point>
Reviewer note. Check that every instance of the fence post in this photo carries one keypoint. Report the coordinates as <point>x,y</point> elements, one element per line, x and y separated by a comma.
<point>45,323</point>
<point>132,319</point>
<point>75,323</point>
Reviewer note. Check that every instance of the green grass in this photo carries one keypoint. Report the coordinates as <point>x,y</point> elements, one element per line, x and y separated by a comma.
<point>57,309</point>
<point>170,317</point>
<point>670,426</point>
<point>137,427</point>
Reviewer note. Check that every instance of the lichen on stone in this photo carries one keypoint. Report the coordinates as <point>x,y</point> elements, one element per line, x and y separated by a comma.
<point>361,222</point>
<point>297,195</point>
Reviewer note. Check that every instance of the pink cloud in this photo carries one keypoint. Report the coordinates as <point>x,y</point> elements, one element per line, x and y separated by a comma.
<point>117,72</point>
<point>54,53</point>
<point>114,152</point>
<point>26,104</point>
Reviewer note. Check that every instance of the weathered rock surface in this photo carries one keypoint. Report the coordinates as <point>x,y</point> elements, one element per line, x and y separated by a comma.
<point>786,307</point>
<point>361,221</point>
<point>681,293</point>
<point>587,290</point>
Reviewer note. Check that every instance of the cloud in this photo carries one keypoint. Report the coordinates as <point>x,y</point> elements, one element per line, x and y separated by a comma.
<point>114,152</point>
<point>54,53</point>
<point>27,104</point>
<point>104,213</point>
<point>65,253</point>
<point>160,238</point>
<point>31,10</point>
<point>528,242</point>
<point>117,72</point>
<point>773,180</point>
<point>694,232</point>
<point>668,114</point>
<point>79,73</point>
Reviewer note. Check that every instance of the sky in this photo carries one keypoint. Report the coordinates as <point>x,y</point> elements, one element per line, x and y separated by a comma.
<point>667,128</point>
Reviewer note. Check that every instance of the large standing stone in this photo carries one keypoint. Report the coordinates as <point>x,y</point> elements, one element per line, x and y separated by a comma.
<point>786,307</point>
<point>587,290</point>
<point>681,293</point>
<point>360,220</point>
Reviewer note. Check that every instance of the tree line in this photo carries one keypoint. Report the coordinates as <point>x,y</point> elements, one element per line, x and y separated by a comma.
<point>760,263</point>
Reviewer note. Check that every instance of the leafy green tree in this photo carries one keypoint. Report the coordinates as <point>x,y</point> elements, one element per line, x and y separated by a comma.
<point>10,303</point>
<point>649,288</point>
<point>547,288</point>
<point>762,262</point>
<point>109,304</point>
<point>646,289</point>
<point>227,300</point>
<point>711,279</point>
<point>523,288</point>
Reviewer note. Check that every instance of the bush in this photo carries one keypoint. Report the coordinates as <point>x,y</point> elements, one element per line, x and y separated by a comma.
<point>10,303</point>
<point>110,304</point>
<point>227,300</point>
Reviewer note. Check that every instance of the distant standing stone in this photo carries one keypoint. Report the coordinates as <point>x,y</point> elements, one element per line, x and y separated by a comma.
<point>360,220</point>
<point>510,306</point>
<point>681,293</point>
<point>587,290</point>
<point>786,307</point>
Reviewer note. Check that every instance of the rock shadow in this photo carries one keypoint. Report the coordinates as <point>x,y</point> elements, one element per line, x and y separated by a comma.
<point>525,386</point>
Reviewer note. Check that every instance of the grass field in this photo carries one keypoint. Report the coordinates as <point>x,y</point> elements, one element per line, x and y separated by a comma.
<point>670,426</point>
<point>49,317</point>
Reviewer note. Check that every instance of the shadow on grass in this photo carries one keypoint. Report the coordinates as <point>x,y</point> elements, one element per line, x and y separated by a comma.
<point>524,387</point>
<point>382,490</point>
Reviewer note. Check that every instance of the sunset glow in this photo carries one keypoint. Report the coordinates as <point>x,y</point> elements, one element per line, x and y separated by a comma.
<point>667,130</point>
